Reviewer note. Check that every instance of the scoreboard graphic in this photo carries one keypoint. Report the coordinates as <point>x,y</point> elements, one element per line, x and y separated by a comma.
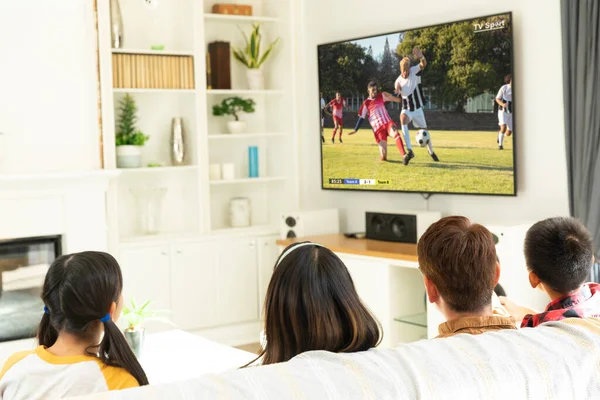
<point>355,181</point>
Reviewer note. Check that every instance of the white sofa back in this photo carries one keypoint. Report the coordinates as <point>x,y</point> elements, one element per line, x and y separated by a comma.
<point>559,360</point>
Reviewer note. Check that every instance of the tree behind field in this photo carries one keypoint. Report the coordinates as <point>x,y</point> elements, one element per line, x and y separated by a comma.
<point>388,68</point>
<point>346,67</point>
<point>461,64</point>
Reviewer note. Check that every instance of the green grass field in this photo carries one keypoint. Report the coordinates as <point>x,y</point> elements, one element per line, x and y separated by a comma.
<point>470,162</point>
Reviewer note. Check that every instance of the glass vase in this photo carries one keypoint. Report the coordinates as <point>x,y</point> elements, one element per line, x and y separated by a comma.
<point>149,205</point>
<point>116,25</point>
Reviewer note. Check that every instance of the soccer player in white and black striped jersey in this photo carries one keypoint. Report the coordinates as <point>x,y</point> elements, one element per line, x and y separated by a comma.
<point>408,85</point>
<point>505,120</point>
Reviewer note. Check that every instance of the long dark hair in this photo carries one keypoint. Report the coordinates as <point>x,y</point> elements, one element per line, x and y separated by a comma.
<point>311,304</point>
<point>79,289</point>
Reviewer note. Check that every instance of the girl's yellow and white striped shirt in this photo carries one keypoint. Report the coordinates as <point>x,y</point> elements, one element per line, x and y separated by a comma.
<point>39,374</point>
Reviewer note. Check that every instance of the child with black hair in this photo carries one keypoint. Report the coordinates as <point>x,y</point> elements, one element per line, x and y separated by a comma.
<point>81,350</point>
<point>559,257</point>
<point>311,304</point>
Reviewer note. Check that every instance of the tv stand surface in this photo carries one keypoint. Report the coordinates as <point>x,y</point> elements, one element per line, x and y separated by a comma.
<point>405,253</point>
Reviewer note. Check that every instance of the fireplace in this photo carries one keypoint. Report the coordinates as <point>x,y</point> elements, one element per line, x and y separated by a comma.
<point>23,266</point>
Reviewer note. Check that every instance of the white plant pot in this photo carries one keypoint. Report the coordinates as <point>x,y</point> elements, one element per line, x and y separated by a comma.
<point>236,126</point>
<point>129,156</point>
<point>256,80</point>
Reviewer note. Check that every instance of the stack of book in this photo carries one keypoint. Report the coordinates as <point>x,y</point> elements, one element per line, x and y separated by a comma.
<point>152,71</point>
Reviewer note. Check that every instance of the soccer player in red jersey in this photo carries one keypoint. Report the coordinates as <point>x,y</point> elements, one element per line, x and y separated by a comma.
<point>337,106</point>
<point>374,109</point>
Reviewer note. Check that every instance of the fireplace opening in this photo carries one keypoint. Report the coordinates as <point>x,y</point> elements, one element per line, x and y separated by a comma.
<point>23,266</point>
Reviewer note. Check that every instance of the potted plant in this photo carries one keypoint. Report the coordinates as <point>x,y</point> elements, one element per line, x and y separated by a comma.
<point>135,333</point>
<point>233,106</point>
<point>252,59</point>
<point>128,139</point>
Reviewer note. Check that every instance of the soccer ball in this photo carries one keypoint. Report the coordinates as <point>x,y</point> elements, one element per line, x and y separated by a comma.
<point>423,138</point>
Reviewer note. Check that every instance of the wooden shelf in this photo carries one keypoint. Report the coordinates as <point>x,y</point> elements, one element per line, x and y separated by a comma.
<point>131,90</point>
<point>154,52</point>
<point>362,247</point>
<point>238,18</point>
<point>247,181</point>
<point>152,170</point>
<point>228,136</point>
<point>243,91</point>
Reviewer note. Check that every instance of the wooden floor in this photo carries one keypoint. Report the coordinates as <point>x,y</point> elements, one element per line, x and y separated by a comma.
<point>250,347</point>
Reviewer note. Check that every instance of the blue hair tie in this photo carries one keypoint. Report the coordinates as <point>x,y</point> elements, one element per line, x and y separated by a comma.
<point>106,318</point>
<point>46,311</point>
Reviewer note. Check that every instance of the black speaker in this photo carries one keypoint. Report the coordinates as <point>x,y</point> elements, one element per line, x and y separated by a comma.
<point>392,227</point>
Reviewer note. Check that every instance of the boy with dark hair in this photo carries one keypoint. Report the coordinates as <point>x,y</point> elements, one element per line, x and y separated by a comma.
<point>460,270</point>
<point>559,257</point>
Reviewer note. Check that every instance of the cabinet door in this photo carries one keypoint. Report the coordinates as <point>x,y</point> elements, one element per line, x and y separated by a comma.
<point>372,282</point>
<point>193,290</point>
<point>146,276</point>
<point>268,251</point>
<point>237,281</point>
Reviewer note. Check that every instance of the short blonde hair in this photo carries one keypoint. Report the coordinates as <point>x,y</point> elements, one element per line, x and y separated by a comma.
<point>404,64</point>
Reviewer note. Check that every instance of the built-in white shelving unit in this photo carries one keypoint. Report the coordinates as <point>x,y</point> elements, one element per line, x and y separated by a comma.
<point>193,205</point>
<point>210,275</point>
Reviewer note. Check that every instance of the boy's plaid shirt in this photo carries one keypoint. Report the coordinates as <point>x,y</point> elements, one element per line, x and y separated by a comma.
<point>583,303</point>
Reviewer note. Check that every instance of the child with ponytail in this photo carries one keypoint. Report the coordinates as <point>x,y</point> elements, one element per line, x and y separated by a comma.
<point>81,350</point>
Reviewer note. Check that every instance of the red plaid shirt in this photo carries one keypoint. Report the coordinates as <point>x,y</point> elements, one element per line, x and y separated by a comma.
<point>583,303</point>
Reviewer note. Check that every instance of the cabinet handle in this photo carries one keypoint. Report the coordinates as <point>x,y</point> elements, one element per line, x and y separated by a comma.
<point>251,244</point>
<point>164,253</point>
<point>178,251</point>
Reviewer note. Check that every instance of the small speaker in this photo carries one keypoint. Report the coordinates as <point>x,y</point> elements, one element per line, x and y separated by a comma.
<point>309,223</point>
<point>405,227</point>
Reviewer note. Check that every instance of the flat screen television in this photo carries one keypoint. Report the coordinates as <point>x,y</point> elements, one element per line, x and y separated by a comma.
<point>427,110</point>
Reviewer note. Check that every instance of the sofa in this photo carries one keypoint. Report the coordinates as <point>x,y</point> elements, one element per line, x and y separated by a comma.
<point>558,360</point>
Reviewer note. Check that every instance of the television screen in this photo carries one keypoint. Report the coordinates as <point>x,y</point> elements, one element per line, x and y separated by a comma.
<point>426,110</point>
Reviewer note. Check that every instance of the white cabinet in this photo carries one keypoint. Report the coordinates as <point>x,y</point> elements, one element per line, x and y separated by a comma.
<point>204,283</point>
<point>237,281</point>
<point>268,251</point>
<point>146,275</point>
<point>193,289</point>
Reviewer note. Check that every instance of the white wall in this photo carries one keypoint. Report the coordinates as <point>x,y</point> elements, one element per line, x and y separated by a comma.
<point>48,110</point>
<point>541,162</point>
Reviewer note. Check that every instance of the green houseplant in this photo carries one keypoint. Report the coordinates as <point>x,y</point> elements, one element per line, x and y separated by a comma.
<point>234,106</point>
<point>128,139</point>
<point>136,315</point>
<point>250,56</point>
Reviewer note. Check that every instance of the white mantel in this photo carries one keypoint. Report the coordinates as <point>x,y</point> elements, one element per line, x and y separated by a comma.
<point>72,204</point>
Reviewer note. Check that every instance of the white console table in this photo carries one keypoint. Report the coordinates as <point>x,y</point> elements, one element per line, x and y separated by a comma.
<point>387,279</point>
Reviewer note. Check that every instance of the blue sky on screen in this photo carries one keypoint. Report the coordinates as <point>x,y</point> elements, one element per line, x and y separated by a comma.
<point>378,42</point>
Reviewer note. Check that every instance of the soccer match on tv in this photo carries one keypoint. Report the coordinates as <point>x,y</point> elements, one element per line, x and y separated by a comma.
<point>426,110</point>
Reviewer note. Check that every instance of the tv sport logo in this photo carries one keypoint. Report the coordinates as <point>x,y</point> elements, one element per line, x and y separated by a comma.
<point>489,26</point>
